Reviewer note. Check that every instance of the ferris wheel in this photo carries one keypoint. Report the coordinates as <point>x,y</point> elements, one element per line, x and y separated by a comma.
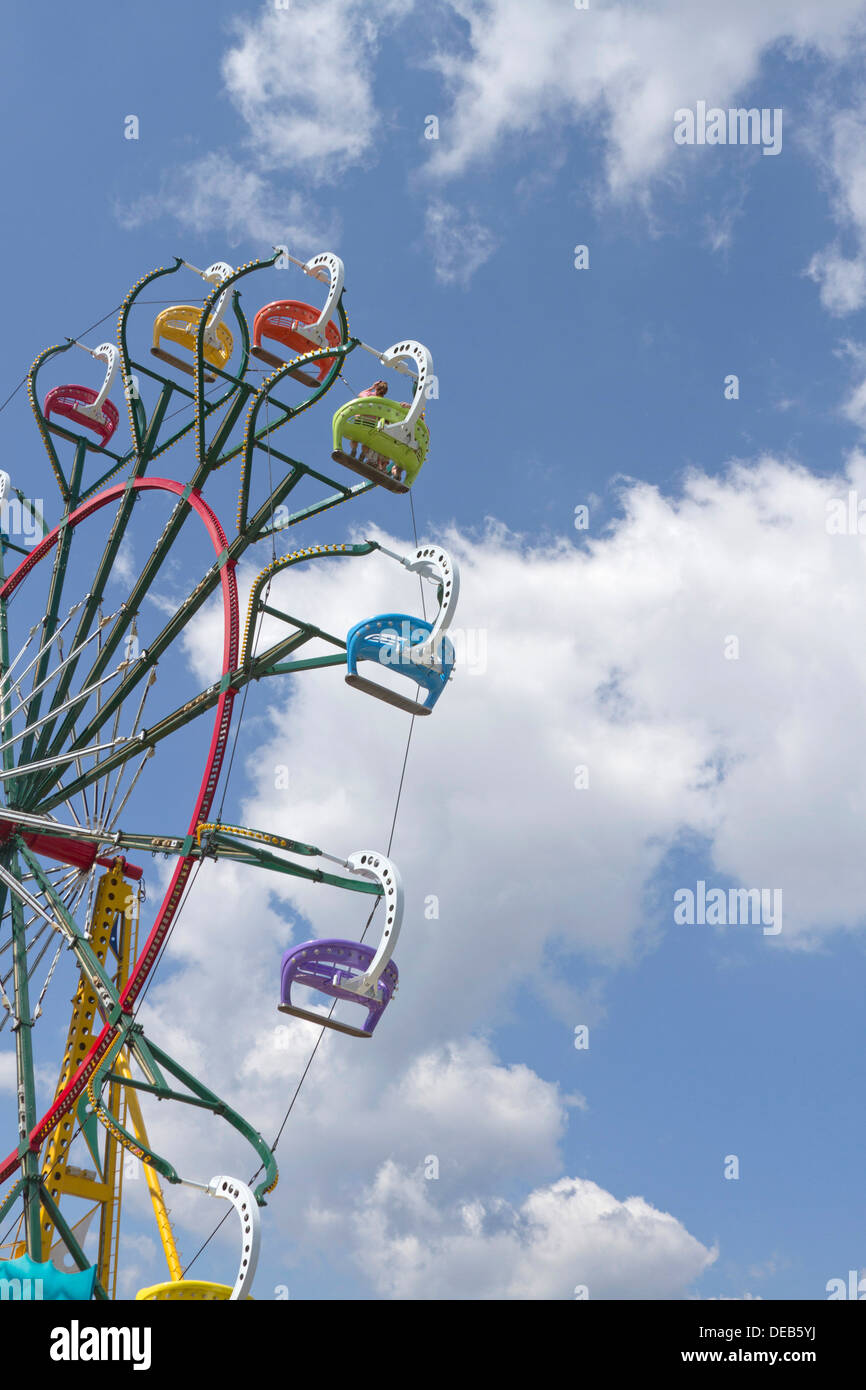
<point>102,718</point>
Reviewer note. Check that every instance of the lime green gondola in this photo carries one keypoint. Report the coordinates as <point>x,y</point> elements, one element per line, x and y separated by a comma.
<point>361,423</point>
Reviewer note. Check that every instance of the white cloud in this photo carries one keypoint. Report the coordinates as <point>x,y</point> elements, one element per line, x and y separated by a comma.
<point>303,81</point>
<point>140,1255</point>
<point>855,406</point>
<point>459,242</point>
<point>123,571</point>
<point>610,655</point>
<point>568,1234</point>
<point>301,78</point>
<point>840,151</point>
<point>842,280</point>
<point>854,403</point>
<point>620,70</point>
<point>218,192</point>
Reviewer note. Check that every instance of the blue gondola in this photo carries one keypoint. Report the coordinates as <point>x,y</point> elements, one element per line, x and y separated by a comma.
<point>402,643</point>
<point>413,647</point>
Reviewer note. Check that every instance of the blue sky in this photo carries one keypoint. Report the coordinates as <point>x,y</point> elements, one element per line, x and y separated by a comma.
<point>558,387</point>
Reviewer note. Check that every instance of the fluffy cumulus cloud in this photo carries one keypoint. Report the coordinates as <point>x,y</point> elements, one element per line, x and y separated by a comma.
<point>569,1239</point>
<point>613,656</point>
<point>610,656</point>
<point>840,268</point>
<point>301,78</point>
<point>854,404</point>
<point>620,69</point>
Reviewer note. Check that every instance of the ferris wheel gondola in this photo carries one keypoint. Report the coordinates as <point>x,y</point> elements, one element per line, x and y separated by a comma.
<point>383,440</point>
<point>85,406</point>
<point>179,324</point>
<point>350,970</point>
<point>301,327</point>
<point>409,646</point>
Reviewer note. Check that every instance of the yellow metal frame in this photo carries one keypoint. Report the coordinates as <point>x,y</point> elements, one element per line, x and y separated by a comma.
<point>160,1211</point>
<point>115,898</point>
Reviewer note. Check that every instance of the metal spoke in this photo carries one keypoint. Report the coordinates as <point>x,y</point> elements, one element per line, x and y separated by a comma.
<point>92,603</point>
<point>34,629</point>
<point>138,771</point>
<point>107,814</point>
<point>85,807</point>
<point>51,639</point>
<point>23,895</point>
<point>62,758</point>
<point>75,700</point>
<point>49,678</point>
<point>66,890</point>
<point>88,914</point>
<point>47,980</point>
<point>71,898</point>
<point>48,823</point>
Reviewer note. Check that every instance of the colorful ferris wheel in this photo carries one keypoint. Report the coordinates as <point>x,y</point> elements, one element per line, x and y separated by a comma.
<point>102,718</point>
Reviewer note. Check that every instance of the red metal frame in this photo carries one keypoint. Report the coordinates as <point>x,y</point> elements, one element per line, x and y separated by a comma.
<point>222,720</point>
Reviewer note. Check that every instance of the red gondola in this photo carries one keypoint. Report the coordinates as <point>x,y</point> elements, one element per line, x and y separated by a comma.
<point>300,327</point>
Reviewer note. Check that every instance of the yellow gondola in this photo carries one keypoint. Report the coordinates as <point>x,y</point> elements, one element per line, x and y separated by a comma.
<point>180,324</point>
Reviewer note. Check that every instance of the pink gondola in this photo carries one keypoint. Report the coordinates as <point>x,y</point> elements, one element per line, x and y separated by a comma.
<point>68,401</point>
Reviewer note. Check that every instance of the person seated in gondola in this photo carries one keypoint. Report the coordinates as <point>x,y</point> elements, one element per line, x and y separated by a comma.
<point>368,455</point>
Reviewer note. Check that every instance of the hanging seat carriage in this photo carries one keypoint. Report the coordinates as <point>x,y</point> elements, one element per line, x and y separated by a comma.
<point>85,406</point>
<point>300,327</point>
<point>409,646</point>
<point>180,324</point>
<point>383,440</point>
<point>350,970</point>
<point>394,640</point>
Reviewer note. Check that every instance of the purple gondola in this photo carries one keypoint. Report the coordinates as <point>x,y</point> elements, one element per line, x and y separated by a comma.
<point>350,970</point>
<point>326,965</point>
